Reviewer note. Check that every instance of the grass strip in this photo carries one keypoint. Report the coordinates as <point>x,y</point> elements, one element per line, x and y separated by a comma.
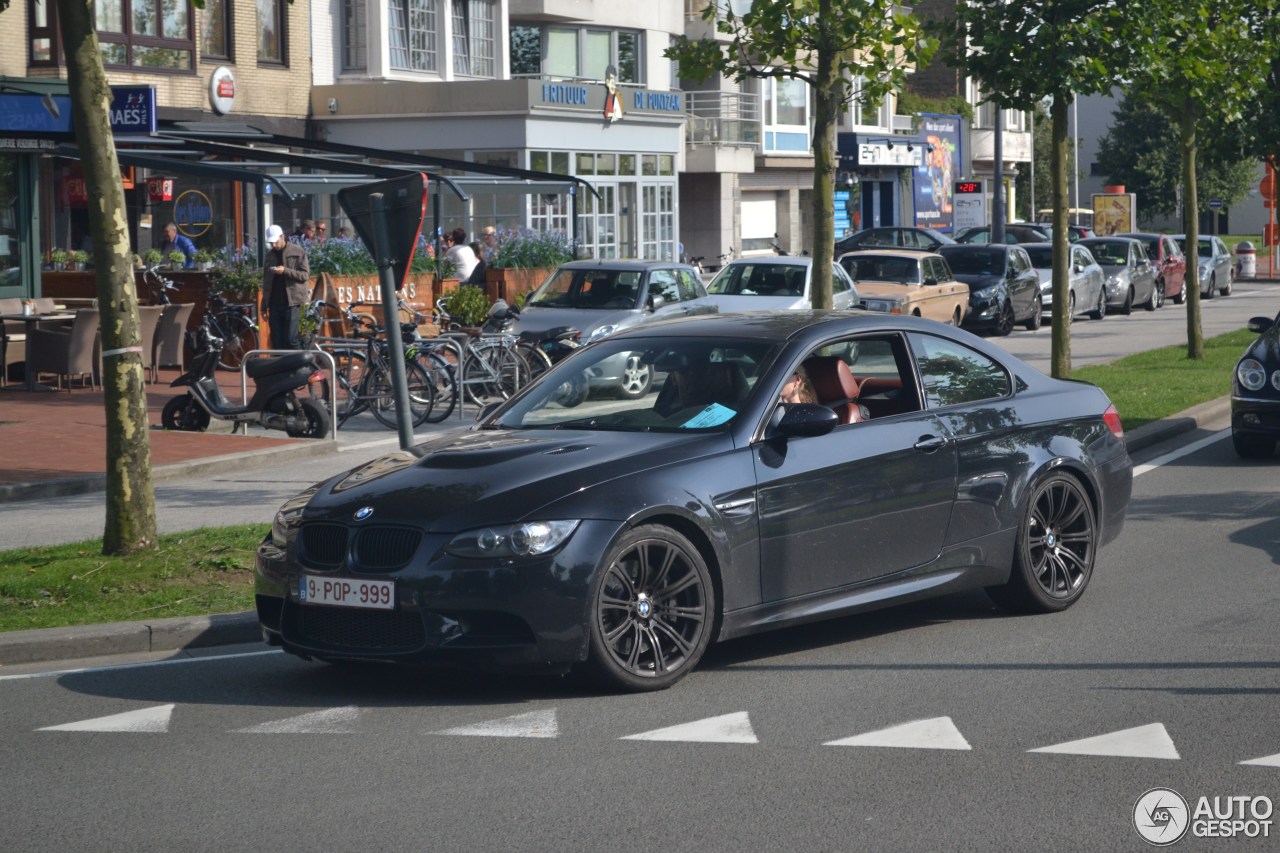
<point>194,573</point>
<point>1149,386</point>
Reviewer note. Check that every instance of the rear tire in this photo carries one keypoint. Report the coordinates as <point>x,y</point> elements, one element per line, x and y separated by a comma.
<point>1157,297</point>
<point>1034,321</point>
<point>1213,288</point>
<point>241,337</point>
<point>1054,553</point>
<point>1127,307</point>
<point>317,420</point>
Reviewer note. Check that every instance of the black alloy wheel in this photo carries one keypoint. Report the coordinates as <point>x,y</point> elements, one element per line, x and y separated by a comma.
<point>185,414</point>
<point>1054,555</point>
<point>652,612</point>
<point>1033,322</point>
<point>1004,323</point>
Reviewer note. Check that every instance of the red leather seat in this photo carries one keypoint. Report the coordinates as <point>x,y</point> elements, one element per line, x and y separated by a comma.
<point>835,386</point>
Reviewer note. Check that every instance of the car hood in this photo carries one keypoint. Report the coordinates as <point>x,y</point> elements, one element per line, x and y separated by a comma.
<point>727,303</point>
<point>978,282</point>
<point>461,480</point>
<point>539,320</point>
<point>1114,269</point>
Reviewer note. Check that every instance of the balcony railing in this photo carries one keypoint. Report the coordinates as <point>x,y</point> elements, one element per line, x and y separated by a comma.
<point>729,119</point>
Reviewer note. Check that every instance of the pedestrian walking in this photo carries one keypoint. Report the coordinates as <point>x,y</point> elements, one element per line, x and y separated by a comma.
<point>286,287</point>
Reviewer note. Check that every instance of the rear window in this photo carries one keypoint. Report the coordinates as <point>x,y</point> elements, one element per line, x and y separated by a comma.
<point>977,261</point>
<point>1041,257</point>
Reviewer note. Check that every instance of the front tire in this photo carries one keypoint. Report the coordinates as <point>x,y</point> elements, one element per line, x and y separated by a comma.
<point>1250,445</point>
<point>1054,553</point>
<point>1127,307</point>
<point>1100,312</point>
<point>183,413</point>
<point>1213,287</point>
<point>1004,323</point>
<point>652,611</point>
<point>1157,297</point>
<point>1033,322</point>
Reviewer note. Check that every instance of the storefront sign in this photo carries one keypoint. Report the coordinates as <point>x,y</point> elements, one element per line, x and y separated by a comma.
<point>222,90</point>
<point>160,189</point>
<point>598,97</point>
<point>133,109</point>
<point>890,153</point>
<point>193,213</point>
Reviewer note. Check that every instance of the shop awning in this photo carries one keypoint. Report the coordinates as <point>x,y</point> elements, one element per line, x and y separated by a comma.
<point>184,166</point>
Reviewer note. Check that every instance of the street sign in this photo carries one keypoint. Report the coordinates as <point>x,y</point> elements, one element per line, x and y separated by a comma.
<point>968,205</point>
<point>405,201</point>
<point>1215,203</point>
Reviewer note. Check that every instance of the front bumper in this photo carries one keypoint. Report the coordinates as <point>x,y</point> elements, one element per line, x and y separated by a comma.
<point>1255,415</point>
<point>449,610</point>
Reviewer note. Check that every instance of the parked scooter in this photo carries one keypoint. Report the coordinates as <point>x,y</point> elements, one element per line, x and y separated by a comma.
<point>275,402</point>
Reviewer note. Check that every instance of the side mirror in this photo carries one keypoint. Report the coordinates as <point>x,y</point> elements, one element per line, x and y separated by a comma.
<point>656,301</point>
<point>806,419</point>
<point>930,281</point>
<point>1259,325</point>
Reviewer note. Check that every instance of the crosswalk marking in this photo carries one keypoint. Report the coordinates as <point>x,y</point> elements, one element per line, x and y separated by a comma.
<point>532,724</point>
<point>145,720</point>
<point>1266,761</point>
<point>935,733</point>
<point>729,728</point>
<point>331,721</point>
<point>1150,741</point>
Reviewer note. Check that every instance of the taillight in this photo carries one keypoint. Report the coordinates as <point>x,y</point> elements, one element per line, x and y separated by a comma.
<point>1112,419</point>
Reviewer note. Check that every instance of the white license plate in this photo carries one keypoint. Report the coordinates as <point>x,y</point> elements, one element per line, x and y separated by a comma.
<point>347,592</point>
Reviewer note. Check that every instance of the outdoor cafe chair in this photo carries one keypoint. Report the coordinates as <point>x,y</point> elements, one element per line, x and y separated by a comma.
<point>149,320</point>
<point>68,354</point>
<point>170,339</point>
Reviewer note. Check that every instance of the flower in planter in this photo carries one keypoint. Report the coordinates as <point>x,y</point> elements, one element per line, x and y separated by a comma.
<point>236,274</point>
<point>525,249</point>
<point>58,257</point>
<point>152,257</point>
<point>340,256</point>
<point>177,259</point>
<point>203,258</point>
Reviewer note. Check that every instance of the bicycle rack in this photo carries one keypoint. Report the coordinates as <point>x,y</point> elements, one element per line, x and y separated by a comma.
<point>333,387</point>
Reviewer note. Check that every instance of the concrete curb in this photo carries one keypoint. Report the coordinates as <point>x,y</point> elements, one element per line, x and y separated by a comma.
<point>162,635</point>
<point>81,484</point>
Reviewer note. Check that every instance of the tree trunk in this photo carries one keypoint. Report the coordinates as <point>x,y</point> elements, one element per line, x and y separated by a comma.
<point>1191,227</point>
<point>130,499</point>
<point>828,95</point>
<point>1060,355</point>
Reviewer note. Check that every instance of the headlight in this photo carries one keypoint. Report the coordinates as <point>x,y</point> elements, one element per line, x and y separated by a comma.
<point>530,539</point>
<point>287,517</point>
<point>1251,374</point>
<point>601,331</point>
<point>885,306</point>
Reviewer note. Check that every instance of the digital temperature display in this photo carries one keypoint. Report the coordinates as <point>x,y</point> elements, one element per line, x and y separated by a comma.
<point>968,187</point>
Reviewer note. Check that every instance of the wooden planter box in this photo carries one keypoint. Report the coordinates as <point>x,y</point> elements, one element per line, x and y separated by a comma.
<point>345,290</point>
<point>509,283</point>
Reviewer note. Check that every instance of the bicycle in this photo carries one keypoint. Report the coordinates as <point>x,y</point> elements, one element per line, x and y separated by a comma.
<point>492,366</point>
<point>234,323</point>
<point>363,372</point>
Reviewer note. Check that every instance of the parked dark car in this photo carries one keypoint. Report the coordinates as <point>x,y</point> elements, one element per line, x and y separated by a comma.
<point>1130,278</point>
<point>893,237</point>
<point>601,297</point>
<point>1255,392</point>
<point>1014,232</point>
<point>627,534</point>
<point>1004,288</point>
<point>1168,261</point>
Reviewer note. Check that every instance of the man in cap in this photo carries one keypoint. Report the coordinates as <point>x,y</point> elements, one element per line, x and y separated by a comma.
<point>286,286</point>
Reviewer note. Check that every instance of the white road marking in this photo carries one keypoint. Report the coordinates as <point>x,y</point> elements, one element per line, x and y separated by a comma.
<point>730,728</point>
<point>1173,455</point>
<point>1268,761</point>
<point>331,721</point>
<point>123,666</point>
<point>936,733</point>
<point>532,724</point>
<point>146,720</point>
<point>1151,741</point>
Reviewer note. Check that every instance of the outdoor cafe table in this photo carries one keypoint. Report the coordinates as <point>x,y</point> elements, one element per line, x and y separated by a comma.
<point>29,382</point>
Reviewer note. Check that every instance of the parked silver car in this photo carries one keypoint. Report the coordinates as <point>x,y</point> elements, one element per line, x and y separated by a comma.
<point>1088,293</point>
<point>601,297</point>
<point>1217,267</point>
<point>1130,279</point>
<point>776,283</point>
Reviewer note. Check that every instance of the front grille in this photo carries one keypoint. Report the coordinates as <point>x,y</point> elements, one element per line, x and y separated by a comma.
<point>323,545</point>
<point>360,629</point>
<point>385,548</point>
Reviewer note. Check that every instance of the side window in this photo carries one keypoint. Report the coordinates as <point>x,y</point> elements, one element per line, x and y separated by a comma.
<point>663,283</point>
<point>839,279</point>
<point>688,287</point>
<point>951,373</point>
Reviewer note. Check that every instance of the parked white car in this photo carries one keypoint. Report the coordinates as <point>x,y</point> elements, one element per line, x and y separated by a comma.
<point>1088,293</point>
<point>1217,268</point>
<point>776,283</point>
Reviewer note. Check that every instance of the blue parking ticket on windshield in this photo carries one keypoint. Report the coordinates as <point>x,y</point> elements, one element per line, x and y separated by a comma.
<point>712,415</point>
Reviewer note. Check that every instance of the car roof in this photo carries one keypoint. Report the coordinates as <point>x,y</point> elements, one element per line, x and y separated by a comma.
<point>1114,238</point>
<point>961,248</point>
<point>623,264</point>
<point>786,260</point>
<point>894,252</point>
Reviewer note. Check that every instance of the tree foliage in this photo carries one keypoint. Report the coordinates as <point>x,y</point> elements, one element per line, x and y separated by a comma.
<point>840,49</point>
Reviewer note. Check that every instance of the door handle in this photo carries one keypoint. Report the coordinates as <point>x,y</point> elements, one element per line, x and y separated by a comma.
<point>929,443</point>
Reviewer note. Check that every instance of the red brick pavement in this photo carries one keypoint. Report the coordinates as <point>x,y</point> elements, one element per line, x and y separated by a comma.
<point>47,435</point>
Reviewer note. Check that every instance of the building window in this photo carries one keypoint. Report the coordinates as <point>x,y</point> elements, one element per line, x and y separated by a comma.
<point>216,38</point>
<point>414,35</point>
<point>354,36</point>
<point>271,31</point>
<point>574,53</point>
<point>474,38</point>
<point>786,115</point>
<point>154,34</point>
<point>42,33</point>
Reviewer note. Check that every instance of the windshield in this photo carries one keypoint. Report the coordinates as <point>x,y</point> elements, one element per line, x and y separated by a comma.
<point>696,384</point>
<point>1206,246</point>
<point>1110,254</point>
<point>975,261</point>
<point>1041,256</point>
<point>886,268</point>
<point>759,279</point>
<point>589,288</point>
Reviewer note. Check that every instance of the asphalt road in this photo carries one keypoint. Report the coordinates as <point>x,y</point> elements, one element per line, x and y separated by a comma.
<point>252,497</point>
<point>960,724</point>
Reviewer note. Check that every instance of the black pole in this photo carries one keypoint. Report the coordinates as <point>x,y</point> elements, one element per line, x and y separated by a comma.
<point>391,319</point>
<point>997,201</point>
